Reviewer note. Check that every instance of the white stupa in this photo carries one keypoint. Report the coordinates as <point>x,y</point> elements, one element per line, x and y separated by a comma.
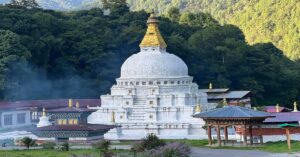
<point>44,120</point>
<point>154,94</point>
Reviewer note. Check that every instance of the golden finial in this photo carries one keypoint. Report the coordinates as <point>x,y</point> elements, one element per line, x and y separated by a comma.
<point>295,107</point>
<point>210,86</point>
<point>198,108</point>
<point>70,103</point>
<point>153,37</point>
<point>113,117</point>
<point>224,102</point>
<point>44,112</point>
<point>277,108</point>
<point>77,104</point>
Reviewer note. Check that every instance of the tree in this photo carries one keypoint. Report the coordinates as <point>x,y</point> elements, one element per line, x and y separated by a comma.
<point>28,142</point>
<point>13,55</point>
<point>116,7</point>
<point>24,3</point>
<point>173,14</point>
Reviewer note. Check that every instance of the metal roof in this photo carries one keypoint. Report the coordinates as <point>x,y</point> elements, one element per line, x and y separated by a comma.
<point>229,95</point>
<point>283,117</point>
<point>233,112</point>
<point>220,90</point>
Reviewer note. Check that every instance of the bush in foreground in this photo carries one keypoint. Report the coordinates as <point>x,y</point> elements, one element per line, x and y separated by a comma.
<point>170,150</point>
<point>48,145</point>
<point>151,142</point>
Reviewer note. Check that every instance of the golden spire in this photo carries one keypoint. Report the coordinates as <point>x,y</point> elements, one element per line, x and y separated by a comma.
<point>113,117</point>
<point>70,103</point>
<point>153,38</point>
<point>277,108</point>
<point>210,86</point>
<point>44,112</point>
<point>295,107</point>
<point>198,109</point>
<point>77,104</point>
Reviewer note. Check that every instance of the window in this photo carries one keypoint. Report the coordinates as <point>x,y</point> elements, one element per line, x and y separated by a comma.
<point>143,83</point>
<point>137,83</point>
<point>131,83</point>
<point>127,103</point>
<point>62,121</point>
<point>126,83</point>
<point>172,82</point>
<point>73,121</point>
<point>150,83</point>
<point>129,92</point>
<point>150,116</point>
<point>178,82</point>
<point>34,115</point>
<point>8,119</point>
<point>158,83</point>
<point>165,82</point>
<point>151,102</point>
<point>21,118</point>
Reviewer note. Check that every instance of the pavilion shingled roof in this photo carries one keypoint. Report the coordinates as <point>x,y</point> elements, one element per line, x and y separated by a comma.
<point>232,112</point>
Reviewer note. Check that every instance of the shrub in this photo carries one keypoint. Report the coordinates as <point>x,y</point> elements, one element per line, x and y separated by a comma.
<point>28,142</point>
<point>170,150</point>
<point>151,142</point>
<point>65,146</point>
<point>48,145</point>
<point>102,145</point>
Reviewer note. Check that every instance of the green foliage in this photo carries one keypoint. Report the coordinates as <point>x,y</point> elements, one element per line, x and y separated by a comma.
<point>28,142</point>
<point>49,145</point>
<point>261,21</point>
<point>151,142</point>
<point>102,145</point>
<point>79,54</point>
<point>65,146</point>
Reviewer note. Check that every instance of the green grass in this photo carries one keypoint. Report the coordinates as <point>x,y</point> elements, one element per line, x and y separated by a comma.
<point>193,143</point>
<point>280,147</point>
<point>53,153</point>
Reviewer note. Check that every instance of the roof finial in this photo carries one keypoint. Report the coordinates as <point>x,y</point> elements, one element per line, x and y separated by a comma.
<point>153,38</point>
<point>224,102</point>
<point>198,108</point>
<point>210,86</point>
<point>77,104</point>
<point>113,120</point>
<point>44,112</point>
<point>277,108</point>
<point>295,106</point>
<point>70,103</point>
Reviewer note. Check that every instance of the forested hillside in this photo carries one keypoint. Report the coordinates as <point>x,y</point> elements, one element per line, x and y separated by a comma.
<point>276,21</point>
<point>51,54</point>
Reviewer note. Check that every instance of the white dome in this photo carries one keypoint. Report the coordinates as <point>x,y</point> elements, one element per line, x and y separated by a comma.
<point>154,64</point>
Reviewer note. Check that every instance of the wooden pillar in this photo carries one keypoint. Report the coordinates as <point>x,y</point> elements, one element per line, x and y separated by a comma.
<point>219,135</point>
<point>226,133</point>
<point>261,139</point>
<point>209,135</point>
<point>251,135</point>
<point>245,135</point>
<point>288,138</point>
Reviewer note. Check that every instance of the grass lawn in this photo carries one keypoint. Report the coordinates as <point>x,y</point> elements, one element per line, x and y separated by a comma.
<point>280,147</point>
<point>53,153</point>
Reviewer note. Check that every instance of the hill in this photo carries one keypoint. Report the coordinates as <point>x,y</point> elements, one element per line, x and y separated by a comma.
<point>53,54</point>
<point>265,21</point>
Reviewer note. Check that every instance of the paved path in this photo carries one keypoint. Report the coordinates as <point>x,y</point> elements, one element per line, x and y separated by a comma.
<point>205,152</point>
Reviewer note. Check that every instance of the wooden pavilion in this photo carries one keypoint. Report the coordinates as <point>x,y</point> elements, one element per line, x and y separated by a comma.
<point>236,116</point>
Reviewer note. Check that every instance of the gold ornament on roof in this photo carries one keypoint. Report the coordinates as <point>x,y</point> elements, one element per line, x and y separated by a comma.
<point>44,112</point>
<point>198,109</point>
<point>77,104</point>
<point>153,38</point>
<point>210,86</point>
<point>295,107</point>
<point>277,108</point>
<point>224,102</point>
<point>70,103</point>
